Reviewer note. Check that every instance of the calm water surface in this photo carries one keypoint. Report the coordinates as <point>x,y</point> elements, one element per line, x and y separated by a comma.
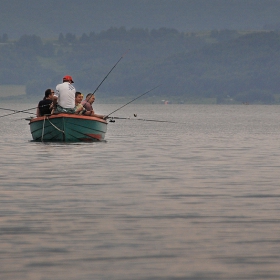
<point>195,199</point>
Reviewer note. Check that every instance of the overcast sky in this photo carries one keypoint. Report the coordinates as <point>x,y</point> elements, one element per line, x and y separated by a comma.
<point>48,18</point>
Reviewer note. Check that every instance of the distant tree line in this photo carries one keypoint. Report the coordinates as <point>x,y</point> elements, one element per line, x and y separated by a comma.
<point>223,65</point>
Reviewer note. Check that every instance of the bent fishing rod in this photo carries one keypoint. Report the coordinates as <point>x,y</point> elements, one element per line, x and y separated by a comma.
<point>132,101</point>
<point>107,75</point>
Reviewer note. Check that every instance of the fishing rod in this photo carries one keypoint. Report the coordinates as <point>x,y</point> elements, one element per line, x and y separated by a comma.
<point>22,111</point>
<point>147,120</point>
<point>108,74</point>
<point>16,111</point>
<point>132,100</point>
<point>25,111</point>
<point>27,119</point>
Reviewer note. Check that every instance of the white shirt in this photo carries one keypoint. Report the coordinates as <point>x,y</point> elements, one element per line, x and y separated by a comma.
<point>66,95</point>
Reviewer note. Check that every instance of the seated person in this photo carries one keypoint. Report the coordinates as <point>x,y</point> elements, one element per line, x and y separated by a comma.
<point>79,108</point>
<point>45,106</point>
<point>87,103</point>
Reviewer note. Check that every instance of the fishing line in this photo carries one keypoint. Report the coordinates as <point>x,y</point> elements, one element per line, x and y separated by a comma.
<point>132,100</point>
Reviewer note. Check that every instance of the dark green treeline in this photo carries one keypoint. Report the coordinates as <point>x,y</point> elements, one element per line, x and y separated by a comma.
<point>220,65</point>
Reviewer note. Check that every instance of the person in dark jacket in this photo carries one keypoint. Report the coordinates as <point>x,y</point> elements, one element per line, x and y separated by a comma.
<point>45,106</point>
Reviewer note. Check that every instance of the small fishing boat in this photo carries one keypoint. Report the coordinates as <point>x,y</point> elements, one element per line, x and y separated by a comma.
<point>68,128</point>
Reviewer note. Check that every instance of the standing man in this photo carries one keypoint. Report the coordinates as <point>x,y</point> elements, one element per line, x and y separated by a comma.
<point>65,96</point>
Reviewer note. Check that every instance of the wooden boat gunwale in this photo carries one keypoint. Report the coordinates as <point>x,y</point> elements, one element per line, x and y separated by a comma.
<point>65,115</point>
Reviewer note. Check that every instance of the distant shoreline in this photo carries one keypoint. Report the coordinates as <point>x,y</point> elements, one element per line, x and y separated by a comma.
<point>24,99</point>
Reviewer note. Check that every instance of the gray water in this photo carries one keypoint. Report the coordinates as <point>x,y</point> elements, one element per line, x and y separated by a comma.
<point>195,199</point>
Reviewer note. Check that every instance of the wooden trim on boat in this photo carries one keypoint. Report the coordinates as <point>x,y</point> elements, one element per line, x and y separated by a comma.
<point>65,115</point>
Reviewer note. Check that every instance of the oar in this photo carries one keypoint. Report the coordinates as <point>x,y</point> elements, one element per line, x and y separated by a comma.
<point>132,100</point>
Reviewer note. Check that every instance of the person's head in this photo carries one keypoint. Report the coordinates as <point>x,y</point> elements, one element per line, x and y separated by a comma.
<point>68,79</point>
<point>78,97</point>
<point>49,94</point>
<point>90,98</point>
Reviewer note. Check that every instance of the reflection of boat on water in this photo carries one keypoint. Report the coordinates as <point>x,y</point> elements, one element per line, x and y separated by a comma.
<point>67,128</point>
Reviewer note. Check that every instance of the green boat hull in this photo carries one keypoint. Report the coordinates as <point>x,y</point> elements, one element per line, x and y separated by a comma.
<point>68,128</point>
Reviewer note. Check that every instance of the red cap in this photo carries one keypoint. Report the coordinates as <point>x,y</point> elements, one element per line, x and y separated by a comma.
<point>68,78</point>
